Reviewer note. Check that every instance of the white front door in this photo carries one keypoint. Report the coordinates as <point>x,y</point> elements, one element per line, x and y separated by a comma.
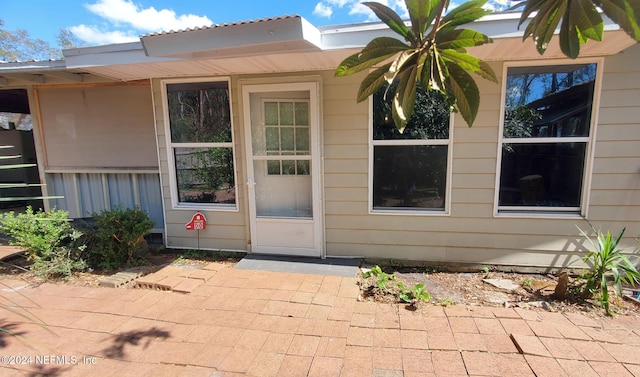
<point>283,168</point>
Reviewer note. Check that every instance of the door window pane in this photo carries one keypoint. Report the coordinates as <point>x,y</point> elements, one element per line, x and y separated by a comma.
<point>302,113</point>
<point>302,140</point>
<point>271,113</point>
<point>287,146</point>
<point>286,133</point>
<point>273,138</point>
<point>286,113</point>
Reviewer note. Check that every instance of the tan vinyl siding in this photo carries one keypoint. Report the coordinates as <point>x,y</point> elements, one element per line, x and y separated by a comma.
<point>346,151</point>
<point>615,189</point>
<point>471,232</point>
<point>225,229</point>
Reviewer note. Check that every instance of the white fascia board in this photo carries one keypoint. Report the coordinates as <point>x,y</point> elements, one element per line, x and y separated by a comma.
<point>311,33</point>
<point>26,67</point>
<point>124,53</point>
<point>495,25</point>
<point>292,34</point>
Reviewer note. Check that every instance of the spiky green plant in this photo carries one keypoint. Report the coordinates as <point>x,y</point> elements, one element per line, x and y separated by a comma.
<point>607,261</point>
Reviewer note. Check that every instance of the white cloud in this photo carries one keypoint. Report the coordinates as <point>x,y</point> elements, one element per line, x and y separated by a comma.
<point>326,8</point>
<point>361,10</point>
<point>94,36</point>
<point>127,20</point>
<point>497,5</point>
<point>149,19</point>
<point>400,7</point>
<point>323,10</point>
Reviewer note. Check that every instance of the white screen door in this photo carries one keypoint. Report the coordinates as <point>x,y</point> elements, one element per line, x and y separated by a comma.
<point>281,124</point>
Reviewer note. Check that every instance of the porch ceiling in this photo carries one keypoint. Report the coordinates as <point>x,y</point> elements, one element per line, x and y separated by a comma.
<point>513,48</point>
<point>290,62</point>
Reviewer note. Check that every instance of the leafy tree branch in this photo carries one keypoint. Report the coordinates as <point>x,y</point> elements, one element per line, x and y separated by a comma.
<point>433,50</point>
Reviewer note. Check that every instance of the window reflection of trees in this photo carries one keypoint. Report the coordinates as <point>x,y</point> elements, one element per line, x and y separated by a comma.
<point>552,104</point>
<point>430,119</point>
<point>199,113</point>
<point>199,116</point>
<point>410,175</point>
<point>549,101</point>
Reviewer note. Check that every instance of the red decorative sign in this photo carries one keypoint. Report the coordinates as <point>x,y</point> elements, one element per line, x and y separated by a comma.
<point>198,222</point>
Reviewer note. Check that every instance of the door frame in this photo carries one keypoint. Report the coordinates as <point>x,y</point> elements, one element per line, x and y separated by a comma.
<point>313,87</point>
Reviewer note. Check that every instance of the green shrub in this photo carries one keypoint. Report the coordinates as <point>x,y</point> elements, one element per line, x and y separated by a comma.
<point>382,278</point>
<point>413,296</point>
<point>607,262</point>
<point>50,241</point>
<point>118,238</point>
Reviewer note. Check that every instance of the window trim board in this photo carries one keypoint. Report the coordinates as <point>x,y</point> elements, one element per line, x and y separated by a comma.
<point>406,211</point>
<point>552,212</point>
<point>169,145</point>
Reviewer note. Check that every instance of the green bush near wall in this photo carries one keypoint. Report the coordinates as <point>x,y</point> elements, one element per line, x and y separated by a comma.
<point>52,244</point>
<point>118,237</point>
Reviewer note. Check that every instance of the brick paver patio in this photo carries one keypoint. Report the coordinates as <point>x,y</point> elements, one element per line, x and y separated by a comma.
<point>254,323</point>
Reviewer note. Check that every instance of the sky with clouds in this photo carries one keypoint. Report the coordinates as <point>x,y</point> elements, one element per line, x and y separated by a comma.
<point>98,22</point>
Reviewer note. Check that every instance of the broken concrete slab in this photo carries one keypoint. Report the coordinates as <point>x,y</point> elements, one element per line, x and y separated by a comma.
<point>214,266</point>
<point>204,275</point>
<point>187,285</point>
<point>169,282</point>
<point>505,284</point>
<point>496,297</point>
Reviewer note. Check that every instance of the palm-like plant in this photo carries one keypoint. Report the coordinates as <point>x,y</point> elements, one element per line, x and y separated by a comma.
<point>432,54</point>
<point>606,261</point>
<point>581,21</point>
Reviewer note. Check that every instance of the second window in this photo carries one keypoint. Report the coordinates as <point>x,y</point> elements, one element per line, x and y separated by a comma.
<point>410,169</point>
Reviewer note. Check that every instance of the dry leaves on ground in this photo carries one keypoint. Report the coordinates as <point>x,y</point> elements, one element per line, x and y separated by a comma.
<point>533,291</point>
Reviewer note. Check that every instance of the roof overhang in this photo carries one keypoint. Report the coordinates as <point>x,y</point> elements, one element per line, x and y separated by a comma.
<point>269,36</point>
<point>502,27</point>
<point>123,53</point>
<point>22,74</point>
<point>515,49</point>
<point>284,44</point>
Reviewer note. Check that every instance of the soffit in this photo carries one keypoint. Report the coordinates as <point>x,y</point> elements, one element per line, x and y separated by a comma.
<point>20,75</point>
<point>292,62</point>
<point>514,48</point>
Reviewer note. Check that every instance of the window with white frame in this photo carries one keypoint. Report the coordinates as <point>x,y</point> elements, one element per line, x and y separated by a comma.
<point>410,169</point>
<point>545,139</point>
<point>201,143</point>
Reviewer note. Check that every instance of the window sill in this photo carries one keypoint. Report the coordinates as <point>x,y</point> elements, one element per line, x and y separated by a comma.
<point>408,212</point>
<point>538,214</point>
<point>205,207</point>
